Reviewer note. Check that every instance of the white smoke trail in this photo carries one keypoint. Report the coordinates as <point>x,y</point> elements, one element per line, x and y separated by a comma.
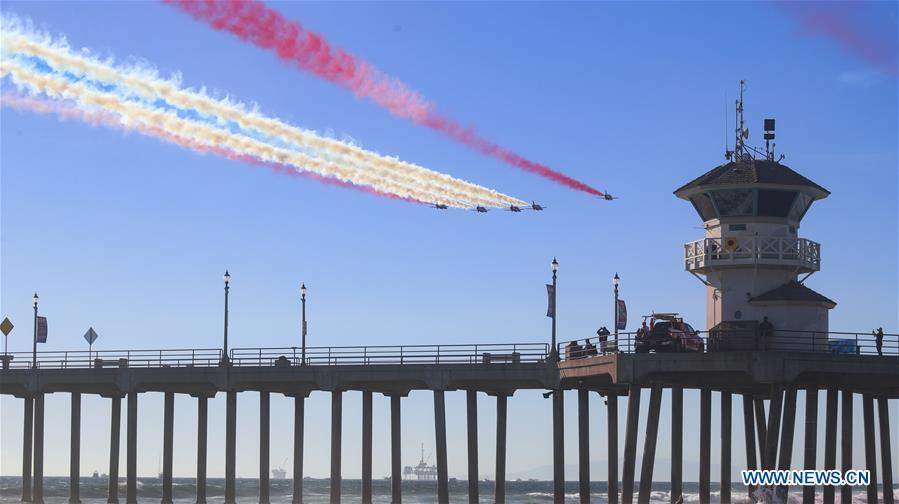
<point>144,84</point>
<point>130,112</point>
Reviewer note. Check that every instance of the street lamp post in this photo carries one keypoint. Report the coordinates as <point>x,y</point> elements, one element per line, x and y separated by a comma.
<point>554,352</point>
<point>34,300</point>
<point>227,278</point>
<point>615,281</point>
<point>303,328</point>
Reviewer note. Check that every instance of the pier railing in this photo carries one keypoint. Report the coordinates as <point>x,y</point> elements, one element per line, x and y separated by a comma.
<point>846,343</point>
<point>200,357</point>
<point>382,354</point>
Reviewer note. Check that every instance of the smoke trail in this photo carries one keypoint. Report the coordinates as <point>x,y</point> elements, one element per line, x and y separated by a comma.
<point>224,111</point>
<point>130,112</point>
<point>66,111</point>
<point>144,84</point>
<point>252,21</point>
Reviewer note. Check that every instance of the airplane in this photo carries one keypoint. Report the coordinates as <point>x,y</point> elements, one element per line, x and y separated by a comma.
<point>536,206</point>
<point>440,206</point>
<point>480,209</point>
<point>513,208</point>
<point>608,197</point>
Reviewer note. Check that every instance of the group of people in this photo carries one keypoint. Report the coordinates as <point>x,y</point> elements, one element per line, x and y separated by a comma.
<point>575,351</point>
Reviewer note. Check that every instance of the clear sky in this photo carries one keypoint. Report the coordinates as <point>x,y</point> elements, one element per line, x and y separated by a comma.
<point>131,236</point>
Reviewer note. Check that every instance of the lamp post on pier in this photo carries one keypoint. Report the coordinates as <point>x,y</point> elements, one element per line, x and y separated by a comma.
<point>34,300</point>
<point>615,281</point>
<point>554,351</point>
<point>227,278</point>
<point>303,328</point>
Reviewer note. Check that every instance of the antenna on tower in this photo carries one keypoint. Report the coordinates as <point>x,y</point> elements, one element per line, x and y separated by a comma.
<point>769,136</point>
<point>742,133</point>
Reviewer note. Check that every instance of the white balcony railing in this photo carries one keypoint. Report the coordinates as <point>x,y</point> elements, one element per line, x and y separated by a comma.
<point>708,253</point>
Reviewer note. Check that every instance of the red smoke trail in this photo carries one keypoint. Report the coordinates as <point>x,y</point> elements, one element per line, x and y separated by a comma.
<point>252,21</point>
<point>112,121</point>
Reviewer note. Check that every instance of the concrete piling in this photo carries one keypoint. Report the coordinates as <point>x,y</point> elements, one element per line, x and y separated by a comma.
<point>649,444</point>
<point>501,419</point>
<point>726,427</point>
<point>830,441</point>
<point>230,446</point>
<point>677,443</point>
<point>367,415</point>
<point>264,446</point>
<point>773,430</point>
<point>612,410</point>
<point>27,432</point>
<point>115,429</point>
<point>749,439</point>
<point>558,446</point>
<point>705,445</point>
<point>630,445</point>
<point>299,420</point>
<point>440,442</point>
<point>75,451</point>
<point>811,440</point>
<point>471,400</point>
<point>886,461</point>
<point>37,496</point>
<point>870,447</point>
<point>761,429</point>
<point>583,429</point>
<point>396,476</point>
<point>785,458</point>
<point>168,426</point>
<point>202,437</point>
<point>336,432</point>
<point>846,439</point>
<point>131,453</point>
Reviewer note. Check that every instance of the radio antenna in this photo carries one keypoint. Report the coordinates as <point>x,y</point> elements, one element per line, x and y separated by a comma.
<point>742,133</point>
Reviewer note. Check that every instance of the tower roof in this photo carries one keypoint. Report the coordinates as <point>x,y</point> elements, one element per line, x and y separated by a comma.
<point>752,172</point>
<point>793,292</point>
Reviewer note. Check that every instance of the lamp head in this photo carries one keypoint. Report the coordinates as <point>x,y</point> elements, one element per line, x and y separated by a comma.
<point>616,280</point>
<point>554,265</point>
<point>227,277</point>
<point>35,299</point>
<point>303,289</point>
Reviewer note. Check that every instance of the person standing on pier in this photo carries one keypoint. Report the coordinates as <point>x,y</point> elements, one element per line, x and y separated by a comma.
<point>603,334</point>
<point>766,332</point>
<point>878,340</point>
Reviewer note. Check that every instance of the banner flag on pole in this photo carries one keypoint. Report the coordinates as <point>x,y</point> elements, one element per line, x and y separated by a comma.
<point>621,323</point>
<point>551,301</point>
<point>41,329</point>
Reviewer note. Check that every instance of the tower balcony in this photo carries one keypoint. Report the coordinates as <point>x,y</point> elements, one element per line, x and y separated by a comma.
<point>700,256</point>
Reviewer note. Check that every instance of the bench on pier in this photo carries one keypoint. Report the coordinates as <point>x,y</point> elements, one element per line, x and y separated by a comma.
<point>102,363</point>
<point>513,357</point>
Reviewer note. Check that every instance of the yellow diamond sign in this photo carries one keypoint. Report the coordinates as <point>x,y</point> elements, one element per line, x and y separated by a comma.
<point>6,326</point>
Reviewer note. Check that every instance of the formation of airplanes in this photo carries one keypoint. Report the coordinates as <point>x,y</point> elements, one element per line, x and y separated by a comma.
<point>513,208</point>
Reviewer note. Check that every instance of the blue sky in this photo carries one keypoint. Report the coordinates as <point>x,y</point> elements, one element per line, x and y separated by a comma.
<point>130,235</point>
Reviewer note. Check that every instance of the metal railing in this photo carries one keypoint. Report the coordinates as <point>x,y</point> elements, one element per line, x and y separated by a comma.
<point>82,359</point>
<point>708,252</point>
<point>832,342</point>
<point>381,354</point>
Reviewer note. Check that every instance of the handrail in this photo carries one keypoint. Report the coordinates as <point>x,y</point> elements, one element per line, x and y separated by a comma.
<point>752,249</point>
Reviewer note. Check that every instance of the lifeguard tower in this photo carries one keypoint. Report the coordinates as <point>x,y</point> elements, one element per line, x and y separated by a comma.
<point>752,260</point>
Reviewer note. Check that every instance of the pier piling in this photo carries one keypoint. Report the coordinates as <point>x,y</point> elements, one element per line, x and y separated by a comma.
<point>830,441</point>
<point>612,455</point>
<point>396,481</point>
<point>366,445</point>
<point>440,442</point>
<point>583,429</point>
<point>705,445</point>
<point>501,410</point>
<point>471,400</point>
<point>115,429</point>
<point>870,447</point>
<point>558,446</point>
<point>811,440</point>
<point>630,445</point>
<point>264,446</point>
<point>299,419</point>
<point>761,428</point>
<point>167,446</point>
<point>75,451</point>
<point>230,446</point>
<point>749,439</point>
<point>37,496</point>
<point>27,432</point>
<point>726,431</point>
<point>886,462</point>
<point>336,432</point>
<point>785,459</point>
<point>649,444</point>
<point>773,430</point>
<point>846,439</point>
<point>202,435</point>
<point>677,443</point>
<point>131,453</point>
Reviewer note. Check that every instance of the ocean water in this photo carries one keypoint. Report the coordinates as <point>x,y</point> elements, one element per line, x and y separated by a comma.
<point>315,491</point>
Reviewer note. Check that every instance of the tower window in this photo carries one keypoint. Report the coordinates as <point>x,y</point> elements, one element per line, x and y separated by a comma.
<point>734,202</point>
<point>775,203</point>
<point>704,207</point>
